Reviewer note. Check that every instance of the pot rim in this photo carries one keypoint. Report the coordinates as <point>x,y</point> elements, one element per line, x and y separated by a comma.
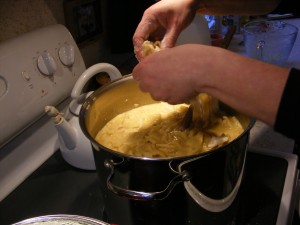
<point>91,98</point>
<point>61,219</point>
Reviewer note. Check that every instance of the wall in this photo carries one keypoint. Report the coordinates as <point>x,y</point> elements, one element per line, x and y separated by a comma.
<point>21,16</point>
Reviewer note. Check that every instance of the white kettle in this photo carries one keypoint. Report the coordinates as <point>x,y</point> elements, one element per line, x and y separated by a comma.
<point>74,146</point>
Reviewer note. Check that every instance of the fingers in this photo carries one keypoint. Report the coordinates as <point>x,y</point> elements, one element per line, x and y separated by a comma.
<point>160,90</point>
<point>170,38</point>
<point>138,39</point>
<point>137,44</point>
<point>145,28</point>
<point>135,73</point>
<point>141,80</point>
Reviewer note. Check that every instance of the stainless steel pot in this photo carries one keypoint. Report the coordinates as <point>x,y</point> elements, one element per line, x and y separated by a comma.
<point>198,189</point>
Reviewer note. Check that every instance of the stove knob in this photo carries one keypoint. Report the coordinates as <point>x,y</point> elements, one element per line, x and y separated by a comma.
<point>66,55</point>
<point>46,64</point>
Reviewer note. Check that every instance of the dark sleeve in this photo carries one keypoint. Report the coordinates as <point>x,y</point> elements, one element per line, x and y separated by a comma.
<point>288,6</point>
<point>288,115</point>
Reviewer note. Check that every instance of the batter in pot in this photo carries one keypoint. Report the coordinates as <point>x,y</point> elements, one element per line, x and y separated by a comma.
<point>155,131</point>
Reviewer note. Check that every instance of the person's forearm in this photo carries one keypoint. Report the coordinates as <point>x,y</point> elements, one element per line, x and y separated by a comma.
<point>176,75</point>
<point>236,7</point>
<point>254,88</point>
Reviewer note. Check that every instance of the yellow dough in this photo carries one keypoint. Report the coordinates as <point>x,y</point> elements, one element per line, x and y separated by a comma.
<point>150,47</point>
<point>155,131</point>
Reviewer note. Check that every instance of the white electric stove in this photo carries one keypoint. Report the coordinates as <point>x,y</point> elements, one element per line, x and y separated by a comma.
<point>36,69</point>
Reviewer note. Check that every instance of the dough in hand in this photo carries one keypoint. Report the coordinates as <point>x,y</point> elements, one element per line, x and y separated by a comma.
<point>150,47</point>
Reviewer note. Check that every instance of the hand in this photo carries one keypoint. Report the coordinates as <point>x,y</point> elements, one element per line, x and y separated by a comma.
<point>168,75</point>
<point>163,22</point>
<point>178,74</point>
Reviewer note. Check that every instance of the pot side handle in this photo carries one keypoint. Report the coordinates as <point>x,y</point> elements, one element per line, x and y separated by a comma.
<point>210,204</point>
<point>111,70</point>
<point>140,195</point>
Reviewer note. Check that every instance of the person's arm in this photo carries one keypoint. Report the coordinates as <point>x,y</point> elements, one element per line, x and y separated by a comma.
<point>177,74</point>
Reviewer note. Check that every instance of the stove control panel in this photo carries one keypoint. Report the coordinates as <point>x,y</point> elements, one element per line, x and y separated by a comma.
<point>36,69</point>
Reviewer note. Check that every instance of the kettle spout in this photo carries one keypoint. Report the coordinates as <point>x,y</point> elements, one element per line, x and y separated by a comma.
<point>66,132</point>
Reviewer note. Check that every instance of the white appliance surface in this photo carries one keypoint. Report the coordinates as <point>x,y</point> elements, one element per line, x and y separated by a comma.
<point>288,200</point>
<point>36,69</point>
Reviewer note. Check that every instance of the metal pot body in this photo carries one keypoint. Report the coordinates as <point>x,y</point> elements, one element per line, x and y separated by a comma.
<point>162,190</point>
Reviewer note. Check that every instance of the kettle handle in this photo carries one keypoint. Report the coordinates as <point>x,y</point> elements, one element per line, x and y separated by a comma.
<point>140,195</point>
<point>111,70</point>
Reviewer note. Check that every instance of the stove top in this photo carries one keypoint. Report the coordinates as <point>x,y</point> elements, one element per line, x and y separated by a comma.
<point>58,188</point>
